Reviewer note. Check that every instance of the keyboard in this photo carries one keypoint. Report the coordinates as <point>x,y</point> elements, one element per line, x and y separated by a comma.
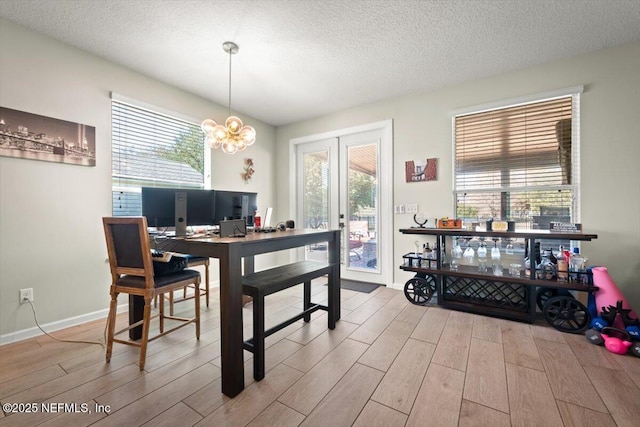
<point>196,236</point>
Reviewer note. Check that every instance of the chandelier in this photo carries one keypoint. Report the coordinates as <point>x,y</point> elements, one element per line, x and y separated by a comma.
<point>234,135</point>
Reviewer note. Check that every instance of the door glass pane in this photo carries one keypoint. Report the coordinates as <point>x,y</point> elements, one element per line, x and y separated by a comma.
<point>362,193</point>
<point>316,198</point>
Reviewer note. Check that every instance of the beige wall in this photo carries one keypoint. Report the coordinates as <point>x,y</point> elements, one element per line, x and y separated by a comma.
<point>610,149</point>
<point>51,238</point>
<point>50,233</point>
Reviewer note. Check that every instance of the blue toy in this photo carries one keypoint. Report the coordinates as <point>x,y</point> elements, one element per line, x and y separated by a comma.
<point>634,332</point>
<point>607,316</point>
<point>592,307</point>
<point>598,323</point>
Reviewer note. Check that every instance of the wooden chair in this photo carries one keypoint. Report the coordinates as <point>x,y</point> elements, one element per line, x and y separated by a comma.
<point>132,273</point>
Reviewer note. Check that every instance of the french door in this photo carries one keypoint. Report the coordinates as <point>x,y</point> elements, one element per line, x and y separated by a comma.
<point>343,180</point>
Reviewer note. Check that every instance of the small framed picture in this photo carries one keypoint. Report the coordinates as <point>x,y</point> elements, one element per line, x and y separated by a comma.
<point>421,170</point>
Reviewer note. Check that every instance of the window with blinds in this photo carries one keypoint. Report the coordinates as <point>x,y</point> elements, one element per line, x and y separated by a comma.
<point>151,149</point>
<point>518,163</point>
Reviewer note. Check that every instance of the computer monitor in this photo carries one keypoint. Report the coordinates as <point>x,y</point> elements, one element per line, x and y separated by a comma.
<point>200,207</point>
<point>159,206</point>
<point>235,205</point>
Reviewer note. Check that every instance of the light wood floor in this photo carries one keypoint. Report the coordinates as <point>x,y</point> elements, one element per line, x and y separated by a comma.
<point>387,363</point>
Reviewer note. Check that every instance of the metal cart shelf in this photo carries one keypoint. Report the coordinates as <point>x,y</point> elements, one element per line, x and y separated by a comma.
<point>509,297</point>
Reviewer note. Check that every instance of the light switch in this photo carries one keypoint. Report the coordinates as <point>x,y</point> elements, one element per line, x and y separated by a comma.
<point>411,208</point>
<point>399,209</point>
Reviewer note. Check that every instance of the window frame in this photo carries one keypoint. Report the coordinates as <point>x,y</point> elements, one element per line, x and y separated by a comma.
<point>573,92</point>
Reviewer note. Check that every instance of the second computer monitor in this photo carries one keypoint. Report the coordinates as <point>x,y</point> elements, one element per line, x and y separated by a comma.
<point>235,205</point>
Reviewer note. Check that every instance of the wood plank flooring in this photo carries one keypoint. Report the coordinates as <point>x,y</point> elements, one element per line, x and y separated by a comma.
<point>388,363</point>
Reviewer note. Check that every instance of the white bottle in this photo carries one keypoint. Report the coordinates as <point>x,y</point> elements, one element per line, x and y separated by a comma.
<point>427,252</point>
<point>577,262</point>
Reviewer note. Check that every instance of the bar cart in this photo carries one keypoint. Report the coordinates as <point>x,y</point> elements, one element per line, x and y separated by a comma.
<point>507,296</point>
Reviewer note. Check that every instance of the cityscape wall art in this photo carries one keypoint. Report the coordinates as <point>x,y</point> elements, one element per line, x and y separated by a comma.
<point>30,136</point>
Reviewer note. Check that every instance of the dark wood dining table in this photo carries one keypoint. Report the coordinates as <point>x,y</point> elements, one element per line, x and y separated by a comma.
<point>233,252</point>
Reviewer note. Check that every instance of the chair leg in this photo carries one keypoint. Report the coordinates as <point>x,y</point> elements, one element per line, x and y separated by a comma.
<point>258,337</point>
<point>145,329</point>
<point>162,312</point>
<point>197,298</point>
<point>111,324</point>
<point>170,303</point>
<point>307,299</point>
<point>206,281</point>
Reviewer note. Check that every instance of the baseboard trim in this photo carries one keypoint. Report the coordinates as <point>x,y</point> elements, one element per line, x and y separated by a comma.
<point>57,325</point>
<point>397,286</point>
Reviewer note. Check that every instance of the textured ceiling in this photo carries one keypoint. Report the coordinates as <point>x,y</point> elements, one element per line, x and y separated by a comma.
<point>303,59</point>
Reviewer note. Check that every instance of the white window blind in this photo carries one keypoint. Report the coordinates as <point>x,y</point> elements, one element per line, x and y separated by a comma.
<point>518,163</point>
<point>151,149</point>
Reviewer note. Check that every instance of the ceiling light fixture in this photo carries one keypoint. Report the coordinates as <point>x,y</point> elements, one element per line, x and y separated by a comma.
<point>233,136</point>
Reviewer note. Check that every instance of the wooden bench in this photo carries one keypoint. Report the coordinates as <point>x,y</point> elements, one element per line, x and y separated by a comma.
<point>262,283</point>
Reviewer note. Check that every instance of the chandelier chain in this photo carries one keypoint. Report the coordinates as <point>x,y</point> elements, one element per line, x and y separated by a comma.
<point>230,55</point>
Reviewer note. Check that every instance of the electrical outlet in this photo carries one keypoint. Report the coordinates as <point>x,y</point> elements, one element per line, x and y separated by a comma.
<point>26,295</point>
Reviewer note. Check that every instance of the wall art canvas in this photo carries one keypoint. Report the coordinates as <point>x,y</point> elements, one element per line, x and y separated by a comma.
<point>421,170</point>
<point>30,136</point>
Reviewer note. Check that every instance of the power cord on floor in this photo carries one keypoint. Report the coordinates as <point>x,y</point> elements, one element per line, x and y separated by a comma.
<point>35,317</point>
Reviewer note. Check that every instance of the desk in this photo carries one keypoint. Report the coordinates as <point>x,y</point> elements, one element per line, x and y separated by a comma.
<point>231,251</point>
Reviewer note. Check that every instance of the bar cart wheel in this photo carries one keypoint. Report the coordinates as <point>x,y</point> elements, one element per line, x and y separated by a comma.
<point>566,314</point>
<point>419,289</point>
<point>543,295</point>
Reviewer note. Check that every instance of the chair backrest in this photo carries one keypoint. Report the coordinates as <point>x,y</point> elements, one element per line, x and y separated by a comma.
<point>128,247</point>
